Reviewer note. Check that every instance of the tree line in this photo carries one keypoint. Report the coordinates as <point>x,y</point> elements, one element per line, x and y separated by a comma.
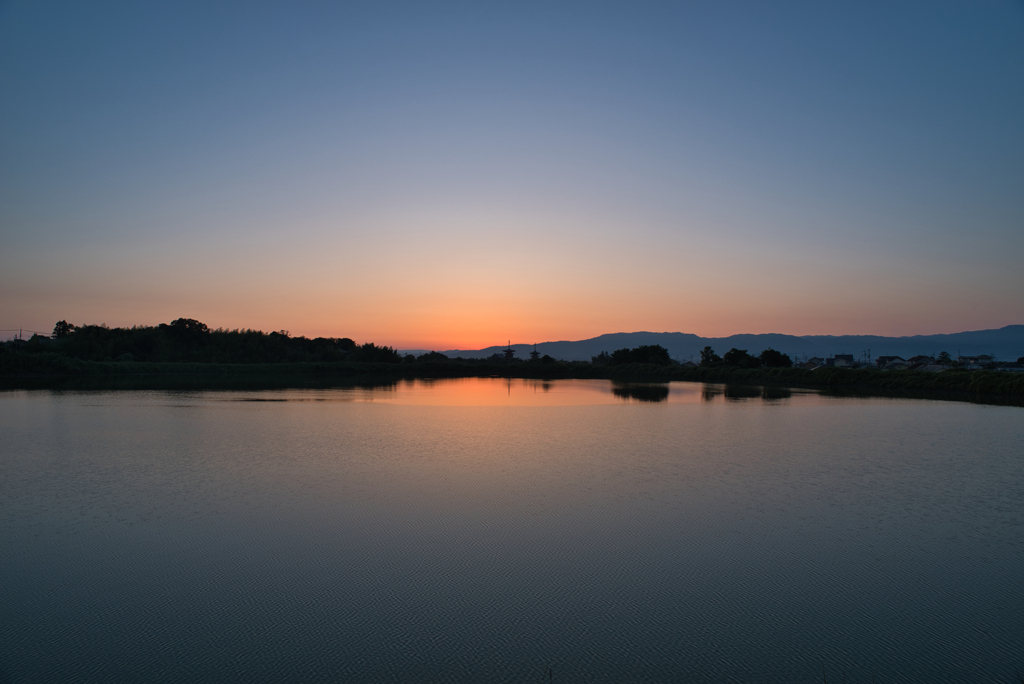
<point>657,355</point>
<point>189,340</point>
<point>739,358</point>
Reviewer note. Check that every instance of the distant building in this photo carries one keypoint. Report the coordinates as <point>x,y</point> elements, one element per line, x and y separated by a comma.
<point>883,361</point>
<point>843,361</point>
<point>976,362</point>
<point>507,355</point>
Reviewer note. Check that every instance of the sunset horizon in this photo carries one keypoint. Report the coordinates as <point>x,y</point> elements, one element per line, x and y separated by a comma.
<point>450,178</point>
<point>482,342</point>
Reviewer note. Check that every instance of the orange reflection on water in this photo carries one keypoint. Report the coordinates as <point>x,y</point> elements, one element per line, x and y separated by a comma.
<point>530,392</point>
<point>526,392</point>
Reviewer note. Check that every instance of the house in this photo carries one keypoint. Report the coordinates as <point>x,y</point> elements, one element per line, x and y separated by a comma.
<point>689,364</point>
<point>883,361</point>
<point>975,362</point>
<point>920,360</point>
<point>843,361</point>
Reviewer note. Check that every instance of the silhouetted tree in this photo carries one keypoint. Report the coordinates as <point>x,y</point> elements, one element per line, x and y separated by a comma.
<point>369,352</point>
<point>774,359</point>
<point>944,359</point>
<point>189,326</point>
<point>345,344</point>
<point>645,353</point>
<point>1020,360</point>
<point>62,330</point>
<point>740,358</point>
<point>601,359</point>
<point>620,356</point>
<point>433,356</point>
<point>709,358</point>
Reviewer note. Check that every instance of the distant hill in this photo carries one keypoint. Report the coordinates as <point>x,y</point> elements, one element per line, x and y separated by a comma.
<point>1004,343</point>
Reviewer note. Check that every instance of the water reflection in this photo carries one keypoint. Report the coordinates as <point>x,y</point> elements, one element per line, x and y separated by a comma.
<point>744,392</point>
<point>775,393</point>
<point>463,530</point>
<point>465,391</point>
<point>741,392</point>
<point>646,392</point>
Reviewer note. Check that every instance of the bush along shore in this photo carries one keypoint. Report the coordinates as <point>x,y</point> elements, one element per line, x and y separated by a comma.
<point>187,348</point>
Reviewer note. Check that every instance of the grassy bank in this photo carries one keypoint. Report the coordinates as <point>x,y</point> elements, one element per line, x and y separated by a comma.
<point>44,365</point>
<point>59,365</point>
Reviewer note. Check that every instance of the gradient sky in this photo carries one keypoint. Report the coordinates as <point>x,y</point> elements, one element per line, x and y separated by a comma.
<point>445,175</point>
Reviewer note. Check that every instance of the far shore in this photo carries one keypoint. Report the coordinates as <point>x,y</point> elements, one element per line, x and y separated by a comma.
<point>44,371</point>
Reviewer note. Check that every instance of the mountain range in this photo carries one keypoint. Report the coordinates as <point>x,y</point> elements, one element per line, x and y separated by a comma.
<point>1005,343</point>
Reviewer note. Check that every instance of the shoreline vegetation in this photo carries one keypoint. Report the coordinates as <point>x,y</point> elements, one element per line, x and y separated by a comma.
<point>189,354</point>
<point>53,371</point>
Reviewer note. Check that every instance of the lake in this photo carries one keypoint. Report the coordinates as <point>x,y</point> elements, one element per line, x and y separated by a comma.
<point>486,530</point>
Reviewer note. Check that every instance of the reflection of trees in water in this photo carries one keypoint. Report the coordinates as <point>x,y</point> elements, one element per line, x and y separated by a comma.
<point>775,393</point>
<point>741,392</point>
<point>709,393</point>
<point>651,393</point>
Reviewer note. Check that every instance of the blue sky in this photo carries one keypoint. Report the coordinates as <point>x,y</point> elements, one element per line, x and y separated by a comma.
<point>443,174</point>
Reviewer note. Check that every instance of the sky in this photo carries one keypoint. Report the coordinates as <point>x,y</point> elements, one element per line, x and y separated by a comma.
<point>440,175</point>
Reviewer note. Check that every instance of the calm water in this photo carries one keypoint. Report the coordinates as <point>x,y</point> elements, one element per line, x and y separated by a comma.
<point>486,530</point>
